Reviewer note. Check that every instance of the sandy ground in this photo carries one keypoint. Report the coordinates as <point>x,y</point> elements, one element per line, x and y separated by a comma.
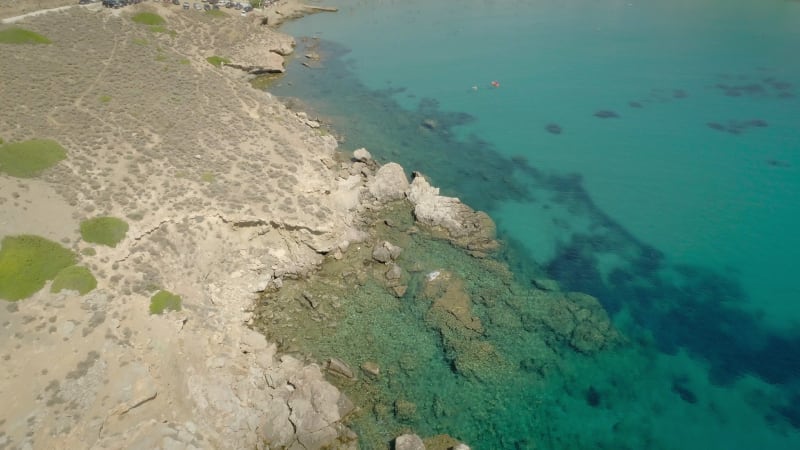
<point>226,192</point>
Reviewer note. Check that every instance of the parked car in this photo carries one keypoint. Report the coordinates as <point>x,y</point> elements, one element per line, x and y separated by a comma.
<point>186,5</point>
<point>176,2</point>
<point>197,6</point>
<point>84,2</point>
<point>247,8</point>
<point>238,6</point>
<point>229,5</point>
<point>207,7</point>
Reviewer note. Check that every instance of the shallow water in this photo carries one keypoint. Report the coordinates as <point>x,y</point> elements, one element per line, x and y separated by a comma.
<point>677,210</point>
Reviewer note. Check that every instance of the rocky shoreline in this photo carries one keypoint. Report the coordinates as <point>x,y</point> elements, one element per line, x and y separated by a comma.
<point>218,213</point>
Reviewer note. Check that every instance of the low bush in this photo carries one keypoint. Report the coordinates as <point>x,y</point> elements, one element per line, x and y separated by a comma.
<point>28,159</point>
<point>108,231</point>
<point>74,278</point>
<point>164,301</point>
<point>27,262</point>
<point>17,35</point>
<point>148,18</point>
<point>218,61</point>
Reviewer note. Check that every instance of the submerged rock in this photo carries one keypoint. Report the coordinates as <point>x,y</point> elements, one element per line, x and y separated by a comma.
<point>409,442</point>
<point>553,128</point>
<point>606,114</point>
<point>385,252</point>
<point>371,368</point>
<point>580,320</point>
<point>338,367</point>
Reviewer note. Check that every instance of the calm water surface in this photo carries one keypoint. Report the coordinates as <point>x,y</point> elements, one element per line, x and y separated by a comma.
<point>645,152</point>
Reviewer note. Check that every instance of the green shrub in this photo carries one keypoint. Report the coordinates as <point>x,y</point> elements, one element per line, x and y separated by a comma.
<point>17,35</point>
<point>104,230</point>
<point>104,98</point>
<point>28,159</point>
<point>218,61</point>
<point>74,278</point>
<point>216,13</point>
<point>27,262</point>
<point>148,18</point>
<point>164,301</point>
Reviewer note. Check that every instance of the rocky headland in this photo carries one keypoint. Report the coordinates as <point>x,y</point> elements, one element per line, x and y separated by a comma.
<point>231,202</point>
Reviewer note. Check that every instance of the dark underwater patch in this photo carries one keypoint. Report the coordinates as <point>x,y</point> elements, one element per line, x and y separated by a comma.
<point>693,308</point>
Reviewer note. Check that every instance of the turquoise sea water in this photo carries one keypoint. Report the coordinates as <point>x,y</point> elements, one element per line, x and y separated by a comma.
<point>647,153</point>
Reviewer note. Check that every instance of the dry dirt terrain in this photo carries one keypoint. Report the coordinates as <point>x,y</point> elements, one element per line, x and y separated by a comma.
<point>226,193</point>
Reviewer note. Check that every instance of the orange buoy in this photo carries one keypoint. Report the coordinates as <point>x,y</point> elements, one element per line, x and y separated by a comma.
<point>495,84</point>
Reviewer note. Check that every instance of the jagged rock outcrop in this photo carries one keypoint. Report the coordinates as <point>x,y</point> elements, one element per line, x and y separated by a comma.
<point>362,155</point>
<point>305,411</point>
<point>473,230</point>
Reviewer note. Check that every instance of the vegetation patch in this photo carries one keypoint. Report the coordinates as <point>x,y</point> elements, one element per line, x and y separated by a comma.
<point>74,278</point>
<point>27,262</point>
<point>17,35</point>
<point>104,230</point>
<point>164,301</point>
<point>28,159</point>
<point>104,98</point>
<point>184,61</point>
<point>148,18</point>
<point>218,61</point>
<point>140,41</point>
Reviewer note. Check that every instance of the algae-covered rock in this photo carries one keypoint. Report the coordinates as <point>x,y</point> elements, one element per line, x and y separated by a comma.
<point>443,442</point>
<point>579,320</point>
<point>452,307</point>
<point>405,410</point>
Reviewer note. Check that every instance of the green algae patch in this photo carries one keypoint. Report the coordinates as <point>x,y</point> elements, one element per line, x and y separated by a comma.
<point>74,278</point>
<point>218,61</point>
<point>147,18</point>
<point>164,301</point>
<point>27,262</point>
<point>17,35</point>
<point>104,230</point>
<point>28,159</point>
